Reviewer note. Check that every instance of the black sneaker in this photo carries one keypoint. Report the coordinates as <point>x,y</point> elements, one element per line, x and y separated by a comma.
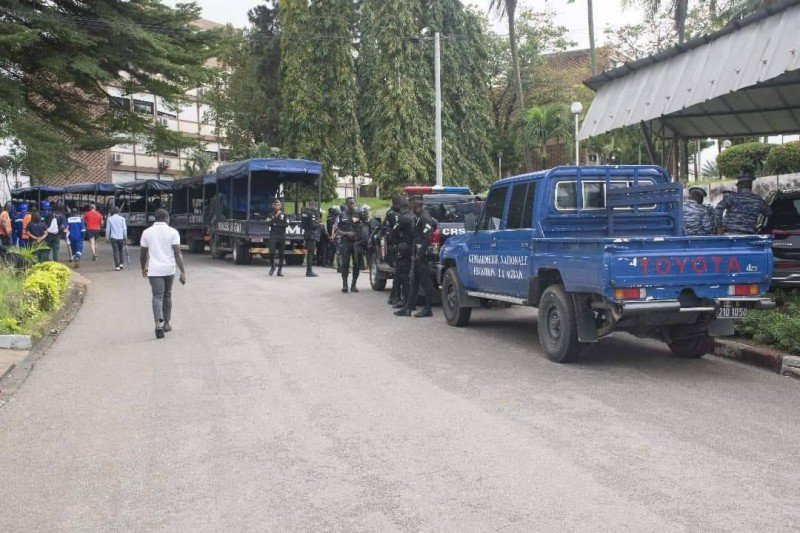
<point>280,274</point>
<point>425,313</point>
<point>344,289</point>
<point>167,328</point>
<point>311,275</point>
<point>353,289</point>
<point>272,271</point>
<point>405,311</point>
<point>160,332</point>
<point>399,305</point>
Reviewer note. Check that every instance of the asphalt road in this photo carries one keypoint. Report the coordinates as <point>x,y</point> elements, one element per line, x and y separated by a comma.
<point>282,404</point>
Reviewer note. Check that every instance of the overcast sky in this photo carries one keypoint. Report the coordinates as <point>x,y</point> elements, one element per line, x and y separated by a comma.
<point>573,16</point>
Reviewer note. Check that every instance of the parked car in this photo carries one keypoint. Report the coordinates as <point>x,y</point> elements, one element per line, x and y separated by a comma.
<point>784,226</point>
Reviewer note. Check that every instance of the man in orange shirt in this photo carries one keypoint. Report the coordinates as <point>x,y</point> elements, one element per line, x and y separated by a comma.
<point>93,221</point>
<point>5,226</point>
<point>25,221</point>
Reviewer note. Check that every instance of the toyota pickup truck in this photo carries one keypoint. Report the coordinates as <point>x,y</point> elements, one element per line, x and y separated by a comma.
<point>601,249</point>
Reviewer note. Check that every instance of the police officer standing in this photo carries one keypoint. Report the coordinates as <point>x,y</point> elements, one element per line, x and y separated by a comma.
<point>389,223</point>
<point>402,237</point>
<point>697,218</point>
<point>738,212</point>
<point>349,230</point>
<point>309,221</point>
<point>421,271</point>
<point>277,236</point>
<point>333,248</point>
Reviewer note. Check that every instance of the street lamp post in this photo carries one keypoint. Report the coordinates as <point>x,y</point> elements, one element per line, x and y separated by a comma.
<point>499,165</point>
<point>577,109</point>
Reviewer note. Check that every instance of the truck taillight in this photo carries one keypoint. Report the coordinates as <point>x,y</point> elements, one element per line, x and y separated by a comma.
<point>634,293</point>
<point>743,290</point>
<point>436,239</point>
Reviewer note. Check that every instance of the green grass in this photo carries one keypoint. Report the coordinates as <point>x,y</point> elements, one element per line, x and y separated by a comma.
<point>12,303</point>
<point>779,328</point>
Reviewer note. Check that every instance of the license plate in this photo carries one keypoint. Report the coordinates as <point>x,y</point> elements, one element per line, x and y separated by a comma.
<point>734,313</point>
<point>256,239</point>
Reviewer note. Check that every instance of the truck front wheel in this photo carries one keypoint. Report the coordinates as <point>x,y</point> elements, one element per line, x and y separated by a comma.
<point>558,326</point>
<point>451,300</point>
<point>197,246</point>
<point>693,348</point>
<point>376,279</point>
<point>216,253</point>
<point>241,253</point>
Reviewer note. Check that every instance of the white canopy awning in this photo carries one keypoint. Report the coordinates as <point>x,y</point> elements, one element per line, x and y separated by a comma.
<point>742,80</point>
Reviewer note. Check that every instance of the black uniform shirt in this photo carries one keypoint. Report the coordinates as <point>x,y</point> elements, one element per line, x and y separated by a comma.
<point>309,221</point>
<point>277,223</point>
<point>423,231</point>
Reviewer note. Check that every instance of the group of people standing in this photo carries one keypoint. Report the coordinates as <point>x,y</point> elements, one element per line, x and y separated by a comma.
<point>737,213</point>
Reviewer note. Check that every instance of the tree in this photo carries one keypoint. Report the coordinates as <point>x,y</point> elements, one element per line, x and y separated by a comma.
<point>466,97</point>
<point>197,162</point>
<point>509,9</point>
<point>545,123</point>
<point>396,102</point>
<point>57,58</point>
<point>319,86</point>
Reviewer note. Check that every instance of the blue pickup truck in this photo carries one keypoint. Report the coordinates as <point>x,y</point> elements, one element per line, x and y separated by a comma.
<point>601,249</point>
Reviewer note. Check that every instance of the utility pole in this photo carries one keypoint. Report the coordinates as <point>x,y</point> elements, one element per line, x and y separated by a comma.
<point>437,60</point>
<point>592,47</point>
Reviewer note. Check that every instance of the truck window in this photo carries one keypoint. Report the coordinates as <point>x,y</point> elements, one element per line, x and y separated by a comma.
<point>493,213</point>
<point>520,206</point>
<point>566,195</point>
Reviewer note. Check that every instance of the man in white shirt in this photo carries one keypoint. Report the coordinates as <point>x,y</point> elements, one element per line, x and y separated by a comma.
<point>159,256</point>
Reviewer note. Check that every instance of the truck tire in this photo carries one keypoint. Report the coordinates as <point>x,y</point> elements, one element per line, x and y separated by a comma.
<point>241,253</point>
<point>558,325</point>
<point>295,259</point>
<point>376,280</point>
<point>693,348</point>
<point>197,246</point>
<point>216,253</point>
<point>454,313</point>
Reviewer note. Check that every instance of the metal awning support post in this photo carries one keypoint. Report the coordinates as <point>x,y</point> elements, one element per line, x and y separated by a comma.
<point>249,189</point>
<point>647,133</point>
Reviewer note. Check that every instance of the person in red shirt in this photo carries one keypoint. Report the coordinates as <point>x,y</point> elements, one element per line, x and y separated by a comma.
<point>93,222</point>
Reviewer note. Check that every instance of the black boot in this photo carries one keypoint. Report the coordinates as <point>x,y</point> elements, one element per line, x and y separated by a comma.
<point>310,274</point>
<point>272,270</point>
<point>405,311</point>
<point>425,313</point>
<point>344,283</point>
<point>279,271</point>
<point>353,287</point>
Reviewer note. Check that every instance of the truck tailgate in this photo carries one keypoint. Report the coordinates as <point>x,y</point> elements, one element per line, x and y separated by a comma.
<point>706,265</point>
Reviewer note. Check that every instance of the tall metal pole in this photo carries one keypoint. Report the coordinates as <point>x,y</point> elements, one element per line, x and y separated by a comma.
<point>499,165</point>
<point>437,59</point>
<point>577,143</point>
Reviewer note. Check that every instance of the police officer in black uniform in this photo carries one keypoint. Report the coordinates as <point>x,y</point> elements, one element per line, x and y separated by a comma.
<point>333,219</point>
<point>392,216</point>
<point>309,222</point>
<point>350,231</point>
<point>277,236</point>
<point>421,270</point>
<point>403,239</point>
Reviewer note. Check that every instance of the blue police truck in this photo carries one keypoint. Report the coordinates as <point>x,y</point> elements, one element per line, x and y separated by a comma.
<point>601,249</point>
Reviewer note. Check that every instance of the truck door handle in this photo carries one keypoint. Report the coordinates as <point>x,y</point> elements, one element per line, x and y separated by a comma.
<point>494,244</point>
<point>525,245</point>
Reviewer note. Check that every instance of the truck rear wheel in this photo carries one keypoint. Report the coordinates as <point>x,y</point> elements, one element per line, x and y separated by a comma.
<point>693,348</point>
<point>295,259</point>
<point>197,246</point>
<point>558,326</point>
<point>376,280</point>
<point>216,253</point>
<point>241,253</point>
<point>451,301</point>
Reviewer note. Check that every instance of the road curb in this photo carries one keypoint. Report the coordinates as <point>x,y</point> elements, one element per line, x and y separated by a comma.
<point>753,355</point>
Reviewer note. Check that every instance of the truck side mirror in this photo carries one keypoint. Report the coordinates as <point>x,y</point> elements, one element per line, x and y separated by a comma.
<point>470,222</point>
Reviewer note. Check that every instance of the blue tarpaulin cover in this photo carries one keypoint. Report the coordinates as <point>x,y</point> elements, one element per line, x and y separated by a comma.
<point>284,170</point>
<point>92,188</point>
<point>33,193</point>
<point>195,181</point>
<point>147,185</point>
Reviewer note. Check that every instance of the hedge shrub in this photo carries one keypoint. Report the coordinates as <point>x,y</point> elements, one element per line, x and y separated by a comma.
<point>748,158</point>
<point>28,296</point>
<point>783,159</point>
<point>45,286</point>
<point>779,328</point>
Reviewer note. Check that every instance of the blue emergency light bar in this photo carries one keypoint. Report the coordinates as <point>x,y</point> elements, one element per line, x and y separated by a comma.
<point>428,189</point>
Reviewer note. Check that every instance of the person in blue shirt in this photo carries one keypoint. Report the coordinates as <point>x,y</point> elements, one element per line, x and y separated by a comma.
<point>75,232</point>
<point>18,213</point>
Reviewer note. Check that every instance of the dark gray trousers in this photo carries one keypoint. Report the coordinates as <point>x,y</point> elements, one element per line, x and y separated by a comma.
<point>161,287</point>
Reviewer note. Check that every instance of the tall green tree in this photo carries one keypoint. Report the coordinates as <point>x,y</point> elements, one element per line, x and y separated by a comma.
<point>509,9</point>
<point>396,94</point>
<point>543,123</point>
<point>319,86</point>
<point>466,93</point>
<point>57,58</point>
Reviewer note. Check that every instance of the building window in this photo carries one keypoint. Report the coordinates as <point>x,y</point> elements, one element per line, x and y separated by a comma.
<point>143,106</point>
<point>224,155</point>
<point>171,153</point>
<point>117,102</point>
<point>213,155</point>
